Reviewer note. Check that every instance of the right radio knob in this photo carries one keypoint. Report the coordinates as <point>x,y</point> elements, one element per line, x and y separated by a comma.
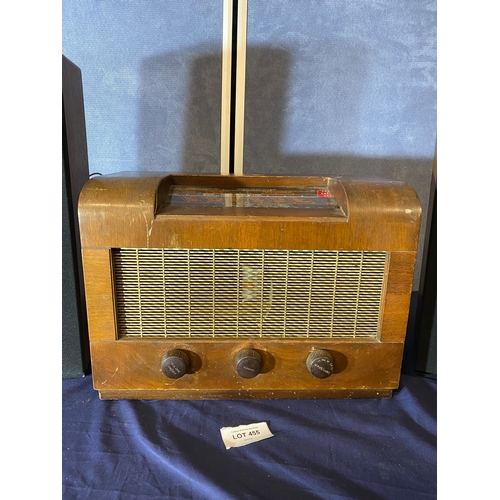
<point>320,363</point>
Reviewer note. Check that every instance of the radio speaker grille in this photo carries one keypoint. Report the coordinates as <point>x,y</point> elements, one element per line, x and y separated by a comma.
<point>242,293</point>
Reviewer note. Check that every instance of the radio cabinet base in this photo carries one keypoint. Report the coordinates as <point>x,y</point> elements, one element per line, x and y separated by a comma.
<point>134,369</point>
<point>249,394</point>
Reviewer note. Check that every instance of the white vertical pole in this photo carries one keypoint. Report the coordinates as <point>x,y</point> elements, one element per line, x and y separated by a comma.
<point>241,55</point>
<point>227,50</point>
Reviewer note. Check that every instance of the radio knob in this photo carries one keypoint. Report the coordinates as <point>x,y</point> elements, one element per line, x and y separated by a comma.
<point>175,364</point>
<point>320,363</point>
<point>248,363</point>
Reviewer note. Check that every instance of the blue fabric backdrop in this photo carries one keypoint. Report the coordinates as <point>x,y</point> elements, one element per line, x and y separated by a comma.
<point>325,78</point>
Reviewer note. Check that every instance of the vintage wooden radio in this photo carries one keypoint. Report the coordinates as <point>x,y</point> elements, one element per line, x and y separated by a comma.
<point>219,287</point>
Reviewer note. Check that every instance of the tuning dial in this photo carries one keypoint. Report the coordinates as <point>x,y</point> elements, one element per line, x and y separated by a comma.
<point>248,363</point>
<point>320,363</point>
<point>175,364</point>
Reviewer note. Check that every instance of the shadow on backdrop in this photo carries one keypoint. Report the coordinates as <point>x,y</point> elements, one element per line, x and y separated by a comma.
<point>179,112</point>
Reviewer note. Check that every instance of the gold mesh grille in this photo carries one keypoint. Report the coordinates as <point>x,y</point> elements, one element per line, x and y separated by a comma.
<point>241,293</point>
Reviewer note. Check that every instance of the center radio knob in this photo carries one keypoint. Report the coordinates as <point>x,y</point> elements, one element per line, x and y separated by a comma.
<point>175,364</point>
<point>320,363</point>
<point>248,363</point>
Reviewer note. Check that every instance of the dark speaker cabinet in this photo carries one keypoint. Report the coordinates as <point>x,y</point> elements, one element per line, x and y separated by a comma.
<point>75,172</point>
<point>426,328</point>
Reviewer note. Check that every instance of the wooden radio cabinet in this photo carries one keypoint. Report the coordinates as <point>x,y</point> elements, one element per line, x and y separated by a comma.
<point>219,287</point>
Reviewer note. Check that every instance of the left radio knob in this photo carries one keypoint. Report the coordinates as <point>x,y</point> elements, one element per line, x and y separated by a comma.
<point>175,364</point>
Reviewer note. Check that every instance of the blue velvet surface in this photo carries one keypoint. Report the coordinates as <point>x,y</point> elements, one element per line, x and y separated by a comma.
<point>335,449</point>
